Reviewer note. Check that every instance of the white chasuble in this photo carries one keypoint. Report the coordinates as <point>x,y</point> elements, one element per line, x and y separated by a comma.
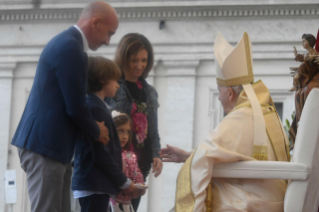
<point>233,140</point>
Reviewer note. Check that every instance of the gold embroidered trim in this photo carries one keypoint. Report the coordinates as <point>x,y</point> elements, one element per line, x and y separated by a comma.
<point>209,197</point>
<point>288,152</point>
<point>185,200</point>
<point>283,131</point>
<point>248,55</point>
<point>243,99</point>
<point>272,144</point>
<point>276,136</point>
<point>260,152</point>
<point>235,81</point>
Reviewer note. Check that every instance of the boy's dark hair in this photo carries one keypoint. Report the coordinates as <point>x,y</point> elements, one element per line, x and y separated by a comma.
<point>121,120</point>
<point>310,38</point>
<point>100,71</point>
<point>129,46</point>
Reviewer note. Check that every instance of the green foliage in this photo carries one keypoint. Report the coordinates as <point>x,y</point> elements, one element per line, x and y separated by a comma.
<point>287,124</point>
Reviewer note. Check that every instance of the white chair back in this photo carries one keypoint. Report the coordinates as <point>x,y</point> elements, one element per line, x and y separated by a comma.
<point>304,195</point>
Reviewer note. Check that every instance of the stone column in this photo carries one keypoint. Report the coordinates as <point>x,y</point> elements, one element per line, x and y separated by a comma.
<point>154,195</point>
<point>6,76</point>
<point>179,120</point>
<point>208,110</point>
<point>23,74</point>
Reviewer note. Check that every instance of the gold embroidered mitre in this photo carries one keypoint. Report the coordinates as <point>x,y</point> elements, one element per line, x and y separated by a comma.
<point>234,65</point>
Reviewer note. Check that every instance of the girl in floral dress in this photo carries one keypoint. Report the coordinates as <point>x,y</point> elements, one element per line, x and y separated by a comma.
<point>123,124</point>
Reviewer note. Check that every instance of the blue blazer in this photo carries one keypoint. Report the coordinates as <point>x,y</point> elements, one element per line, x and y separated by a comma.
<point>56,109</point>
<point>98,167</point>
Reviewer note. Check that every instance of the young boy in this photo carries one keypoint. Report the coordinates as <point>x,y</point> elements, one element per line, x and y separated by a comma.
<point>98,169</point>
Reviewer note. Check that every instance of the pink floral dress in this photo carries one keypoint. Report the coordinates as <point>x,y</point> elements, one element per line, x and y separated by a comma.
<point>132,171</point>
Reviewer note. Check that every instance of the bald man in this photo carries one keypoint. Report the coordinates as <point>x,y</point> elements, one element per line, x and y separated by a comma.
<point>56,110</point>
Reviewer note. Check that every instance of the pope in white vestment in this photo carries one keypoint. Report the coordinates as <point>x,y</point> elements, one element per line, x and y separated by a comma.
<point>250,131</point>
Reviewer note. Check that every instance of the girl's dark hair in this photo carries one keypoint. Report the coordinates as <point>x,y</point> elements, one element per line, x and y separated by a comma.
<point>100,71</point>
<point>310,38</point>
<point>121,120</point>
<point>129,46</point>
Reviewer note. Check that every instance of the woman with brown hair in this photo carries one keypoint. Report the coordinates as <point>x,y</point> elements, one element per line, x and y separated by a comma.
<point>138,100</point>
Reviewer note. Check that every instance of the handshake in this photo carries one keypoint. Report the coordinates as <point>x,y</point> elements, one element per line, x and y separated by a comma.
<point>134,190</point>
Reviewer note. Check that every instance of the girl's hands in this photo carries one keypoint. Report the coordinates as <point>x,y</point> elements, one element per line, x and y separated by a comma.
<point>157,166</point>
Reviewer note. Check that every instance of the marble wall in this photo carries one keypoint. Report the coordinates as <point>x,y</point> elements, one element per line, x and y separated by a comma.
<point>183,74</point>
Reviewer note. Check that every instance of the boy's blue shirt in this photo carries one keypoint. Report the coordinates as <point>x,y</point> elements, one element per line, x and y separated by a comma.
<point>98,167</point>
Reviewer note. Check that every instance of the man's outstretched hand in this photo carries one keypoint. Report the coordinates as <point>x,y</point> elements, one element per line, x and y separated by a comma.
<point>104,133</point>
<point>174,154</point>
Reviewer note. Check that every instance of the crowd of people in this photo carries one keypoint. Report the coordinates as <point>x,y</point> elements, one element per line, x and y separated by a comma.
<point>100,116</point>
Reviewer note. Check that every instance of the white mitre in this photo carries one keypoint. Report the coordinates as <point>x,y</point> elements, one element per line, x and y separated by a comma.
<point>234,66</point>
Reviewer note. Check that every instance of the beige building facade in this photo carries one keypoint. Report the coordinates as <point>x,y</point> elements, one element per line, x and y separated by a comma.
<point>182,33</point>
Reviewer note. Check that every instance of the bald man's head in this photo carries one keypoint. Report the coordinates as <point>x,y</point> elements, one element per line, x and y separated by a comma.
<point>97,8</point>
<point>98,22</point>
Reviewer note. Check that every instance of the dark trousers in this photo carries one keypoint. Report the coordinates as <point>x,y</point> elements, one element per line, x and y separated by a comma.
<point>136,203</point>
<point>95,203</point>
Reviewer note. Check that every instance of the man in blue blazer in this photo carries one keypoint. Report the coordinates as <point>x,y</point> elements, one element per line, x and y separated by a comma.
<point>57,110</point>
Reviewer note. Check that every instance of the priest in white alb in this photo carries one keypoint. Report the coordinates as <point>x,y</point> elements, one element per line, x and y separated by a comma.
<point>251,130</point>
